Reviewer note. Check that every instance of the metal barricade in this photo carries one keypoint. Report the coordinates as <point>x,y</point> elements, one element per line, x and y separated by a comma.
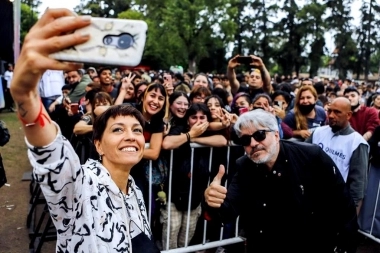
<point>205,244</point>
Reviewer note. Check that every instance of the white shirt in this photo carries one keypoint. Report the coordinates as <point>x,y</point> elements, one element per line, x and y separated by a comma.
<point>339,147</point>
<point>89,211</point>
<point>51,83</point>
<point>8,75</point>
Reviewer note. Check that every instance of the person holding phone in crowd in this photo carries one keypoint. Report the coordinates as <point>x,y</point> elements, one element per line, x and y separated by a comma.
<point>290,196</point>
<point>259,80</point>
<point>95,207</point>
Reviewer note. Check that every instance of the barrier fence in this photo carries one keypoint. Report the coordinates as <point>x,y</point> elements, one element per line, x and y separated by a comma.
<point>205,243</point>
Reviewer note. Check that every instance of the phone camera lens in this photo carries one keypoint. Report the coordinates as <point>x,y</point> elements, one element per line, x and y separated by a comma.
<point>125,41</point>
<point>107,40</point>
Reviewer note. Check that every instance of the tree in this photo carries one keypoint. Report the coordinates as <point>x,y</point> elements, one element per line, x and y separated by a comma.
<point>339,21</point>
<point>257,31</point>
<point>196,27</point>
<point>289,55</point>
<point>102,8</point>
<point>29,18</point>
<point>368,36</point>
<point>313,26</point>
<point>33,4</point>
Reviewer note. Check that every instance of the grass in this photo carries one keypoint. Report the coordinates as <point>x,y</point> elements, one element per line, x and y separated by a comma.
<point>13,232</point>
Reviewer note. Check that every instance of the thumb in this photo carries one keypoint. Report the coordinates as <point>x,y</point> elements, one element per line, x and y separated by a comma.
<point>219,176</point>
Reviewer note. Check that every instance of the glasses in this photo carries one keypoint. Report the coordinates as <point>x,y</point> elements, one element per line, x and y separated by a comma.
<point>260,135</point>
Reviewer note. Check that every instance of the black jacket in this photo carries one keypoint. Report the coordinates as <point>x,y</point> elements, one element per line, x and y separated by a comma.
<point>301,205</point>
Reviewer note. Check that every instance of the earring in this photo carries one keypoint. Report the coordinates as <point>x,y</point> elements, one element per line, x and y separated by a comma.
<point>100,157</point>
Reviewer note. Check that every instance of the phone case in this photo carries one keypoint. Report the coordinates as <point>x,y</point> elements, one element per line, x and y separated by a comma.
<point>118,42</point>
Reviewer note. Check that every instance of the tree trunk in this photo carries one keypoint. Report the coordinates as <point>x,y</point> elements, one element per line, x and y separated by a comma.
<point>192,65</point>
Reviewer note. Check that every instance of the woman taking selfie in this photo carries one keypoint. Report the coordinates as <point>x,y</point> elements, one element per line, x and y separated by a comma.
<point>95,207</point>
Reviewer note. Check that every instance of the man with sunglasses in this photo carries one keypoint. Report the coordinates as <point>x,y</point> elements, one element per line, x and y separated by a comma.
<point>290,196</point>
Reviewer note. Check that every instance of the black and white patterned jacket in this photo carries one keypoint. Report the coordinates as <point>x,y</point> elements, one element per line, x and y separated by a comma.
<point>89,211</point>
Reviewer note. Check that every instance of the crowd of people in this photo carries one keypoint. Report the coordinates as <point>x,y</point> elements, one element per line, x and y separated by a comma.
<point>104,116</point>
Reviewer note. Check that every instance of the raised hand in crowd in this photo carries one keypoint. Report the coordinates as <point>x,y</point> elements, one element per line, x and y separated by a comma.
<point>225,117</point>
<point>125,82</point>
<point>233,62</point>
<point>215,192</point>
<point>279,112</point>
<point>168,83</point>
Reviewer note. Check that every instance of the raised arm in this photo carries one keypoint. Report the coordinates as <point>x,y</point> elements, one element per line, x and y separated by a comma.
<point>123,88</point>
<point>47,36</point>
<point>231,75</point>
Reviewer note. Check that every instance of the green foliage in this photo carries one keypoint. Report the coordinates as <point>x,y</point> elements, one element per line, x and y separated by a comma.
<point>288,35</point>
<point>29,18</point>
<point>102,8</point>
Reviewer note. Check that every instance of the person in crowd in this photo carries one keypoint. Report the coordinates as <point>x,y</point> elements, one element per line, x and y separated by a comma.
<point>119,221</point>
<point>78,83</point>
<point>140,89</point>
<point>258,80</point>
<point>202,79</point>
<point>240,103</point>
<point>223,94</point>
<point>179,138</point>
<point>8,75</point>
<point>364,119</point>
<point>263,101</point>
<point>188,78</point>
<point>105,76</point>
<point>282,181</point>
<point>306,115</point>
<point>93,100</point>
<point>198,94</point>
<point>179,102</point>
<point>376,102</point>
<point>50,86</point>
<point>91,71</point>
<point>346,147</point>
<point>281,102</point>
<point>126,91</point>
<point>59,101</point>
<point>83,130</point>
<point>221,118</point>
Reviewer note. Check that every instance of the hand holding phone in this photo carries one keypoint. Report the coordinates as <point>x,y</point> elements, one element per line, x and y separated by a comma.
<point>112,42</point>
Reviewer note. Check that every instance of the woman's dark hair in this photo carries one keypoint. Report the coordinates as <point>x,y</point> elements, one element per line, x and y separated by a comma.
<point>198,107</point>
<point>285,95</point>
<point>238,95</point>
<point>323,99</point>
<point>176,95</point>
<point>285,87</point>
<point>217,98</point>
<point>112,112</point>
<point>223,94</point>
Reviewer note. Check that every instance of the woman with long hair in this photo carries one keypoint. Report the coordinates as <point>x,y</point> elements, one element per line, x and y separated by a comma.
<point>306,115</point>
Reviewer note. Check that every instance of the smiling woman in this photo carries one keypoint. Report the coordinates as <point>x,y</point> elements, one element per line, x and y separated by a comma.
<point>96,206</point>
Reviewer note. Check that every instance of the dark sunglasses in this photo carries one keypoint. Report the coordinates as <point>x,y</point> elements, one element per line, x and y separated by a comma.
<point>260,135</point>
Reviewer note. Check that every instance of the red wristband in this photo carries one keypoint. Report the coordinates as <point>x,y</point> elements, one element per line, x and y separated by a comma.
<point>39,118</point>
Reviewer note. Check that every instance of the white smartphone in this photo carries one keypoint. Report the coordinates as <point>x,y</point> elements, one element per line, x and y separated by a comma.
<point>118,42</point>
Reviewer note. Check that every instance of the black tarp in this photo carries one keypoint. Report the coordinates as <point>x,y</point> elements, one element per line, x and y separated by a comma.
<point>6,31</point>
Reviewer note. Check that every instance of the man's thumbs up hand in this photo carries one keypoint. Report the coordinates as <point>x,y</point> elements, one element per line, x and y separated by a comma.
<point>216,193</point>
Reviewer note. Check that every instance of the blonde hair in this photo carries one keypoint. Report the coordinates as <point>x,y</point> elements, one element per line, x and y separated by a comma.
<point>301,120</point>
